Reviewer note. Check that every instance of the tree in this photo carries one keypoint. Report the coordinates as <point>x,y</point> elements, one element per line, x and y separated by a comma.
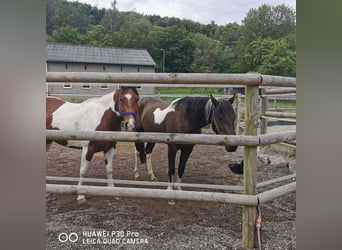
<point>265,42</point>
<point>267,56</point>
<point>269,22</point>
<point>110,18</point>
<point>231,34</point>
<point>66,34</point>
<point>179,49</point>
<point>206,54</point>
<point>96,36</point>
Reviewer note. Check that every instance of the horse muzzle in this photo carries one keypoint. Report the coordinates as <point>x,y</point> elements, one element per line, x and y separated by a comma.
<point>130,125</point>
<point>231,148</point>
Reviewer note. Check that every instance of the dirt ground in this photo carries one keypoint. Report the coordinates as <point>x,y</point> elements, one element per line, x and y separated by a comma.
<point>137,223</point>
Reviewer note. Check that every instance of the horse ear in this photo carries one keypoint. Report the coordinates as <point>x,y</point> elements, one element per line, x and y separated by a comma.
<point>231,100</point>
<point>213,100</point>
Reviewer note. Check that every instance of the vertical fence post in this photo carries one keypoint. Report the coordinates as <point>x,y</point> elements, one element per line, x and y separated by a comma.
<point>237,112</point>
<point>250,158</point>
<point>264,107</point>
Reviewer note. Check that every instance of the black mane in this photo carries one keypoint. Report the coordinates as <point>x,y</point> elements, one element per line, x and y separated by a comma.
<point>195,108</point>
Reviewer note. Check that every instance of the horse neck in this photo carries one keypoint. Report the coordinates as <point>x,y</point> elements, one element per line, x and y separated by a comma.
<point>111,118</point>
<point>102,104</point>
<point>203,110</point>
<point>108,102</point>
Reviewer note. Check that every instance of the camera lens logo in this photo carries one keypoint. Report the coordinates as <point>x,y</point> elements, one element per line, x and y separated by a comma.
<point>64,237</point>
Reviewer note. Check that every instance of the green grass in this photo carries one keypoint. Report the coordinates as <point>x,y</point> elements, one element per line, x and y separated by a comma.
<point>184,91</point>
<point>281,104</point>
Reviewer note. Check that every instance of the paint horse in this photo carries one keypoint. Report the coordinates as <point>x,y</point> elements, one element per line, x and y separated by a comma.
<point>183,115</point>
<point>97,114</point>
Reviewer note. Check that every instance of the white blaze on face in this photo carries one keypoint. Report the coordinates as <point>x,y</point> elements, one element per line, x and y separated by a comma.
<point>129,97</point>
<point>159,115</point>
<point>131,121</point>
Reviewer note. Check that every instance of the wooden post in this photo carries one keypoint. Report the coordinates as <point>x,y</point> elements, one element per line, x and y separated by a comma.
<point>250,159</point>
<point>275,103</point>
<point>264,107</point>
<point>237,112</point>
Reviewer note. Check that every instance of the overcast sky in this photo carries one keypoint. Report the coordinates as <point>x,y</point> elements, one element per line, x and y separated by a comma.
<point>203,11</point>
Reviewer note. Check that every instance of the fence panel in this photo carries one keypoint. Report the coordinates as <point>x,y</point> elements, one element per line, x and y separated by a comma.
<point>252,82</point>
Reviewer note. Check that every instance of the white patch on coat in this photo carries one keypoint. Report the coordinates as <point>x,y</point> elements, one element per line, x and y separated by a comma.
<point>159,115</point>
<point>84,116</point>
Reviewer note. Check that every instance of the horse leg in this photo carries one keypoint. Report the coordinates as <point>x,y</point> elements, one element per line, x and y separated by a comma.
<point>108,157</point>
<point>83,170</point>
<point>172,150</point>
<point>185,153</point>
<point>139,151</point>
<point>149,149</point>
<point>136,169</point>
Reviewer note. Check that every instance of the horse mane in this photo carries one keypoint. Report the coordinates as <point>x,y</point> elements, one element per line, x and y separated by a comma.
<point>195,108</point>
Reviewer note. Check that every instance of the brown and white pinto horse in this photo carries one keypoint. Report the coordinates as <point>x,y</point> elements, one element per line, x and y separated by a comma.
<point>101,114</point>
<point>183,115</point>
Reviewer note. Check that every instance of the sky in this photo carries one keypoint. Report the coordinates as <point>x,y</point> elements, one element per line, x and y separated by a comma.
<point>203,11</point>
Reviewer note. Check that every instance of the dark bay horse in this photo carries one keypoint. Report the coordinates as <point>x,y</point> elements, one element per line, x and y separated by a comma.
<point>183,115</point>
<point>102,114</point>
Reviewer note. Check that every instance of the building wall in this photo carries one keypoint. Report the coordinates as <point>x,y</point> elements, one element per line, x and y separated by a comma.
<point>89,90</point>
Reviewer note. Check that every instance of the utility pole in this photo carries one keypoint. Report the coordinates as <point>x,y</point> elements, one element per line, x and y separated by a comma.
<point>163,59</point>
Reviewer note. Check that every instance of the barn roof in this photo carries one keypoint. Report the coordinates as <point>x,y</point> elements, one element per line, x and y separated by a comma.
<point>58,52</point>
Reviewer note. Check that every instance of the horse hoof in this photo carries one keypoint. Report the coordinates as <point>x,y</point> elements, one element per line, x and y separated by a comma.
<point>81,199</point>
<point>154,178</point>
<point>171,202</point>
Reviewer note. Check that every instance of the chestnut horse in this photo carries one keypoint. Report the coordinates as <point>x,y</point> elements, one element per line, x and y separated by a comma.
<point>183,115</point>
<point>101,114</point>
